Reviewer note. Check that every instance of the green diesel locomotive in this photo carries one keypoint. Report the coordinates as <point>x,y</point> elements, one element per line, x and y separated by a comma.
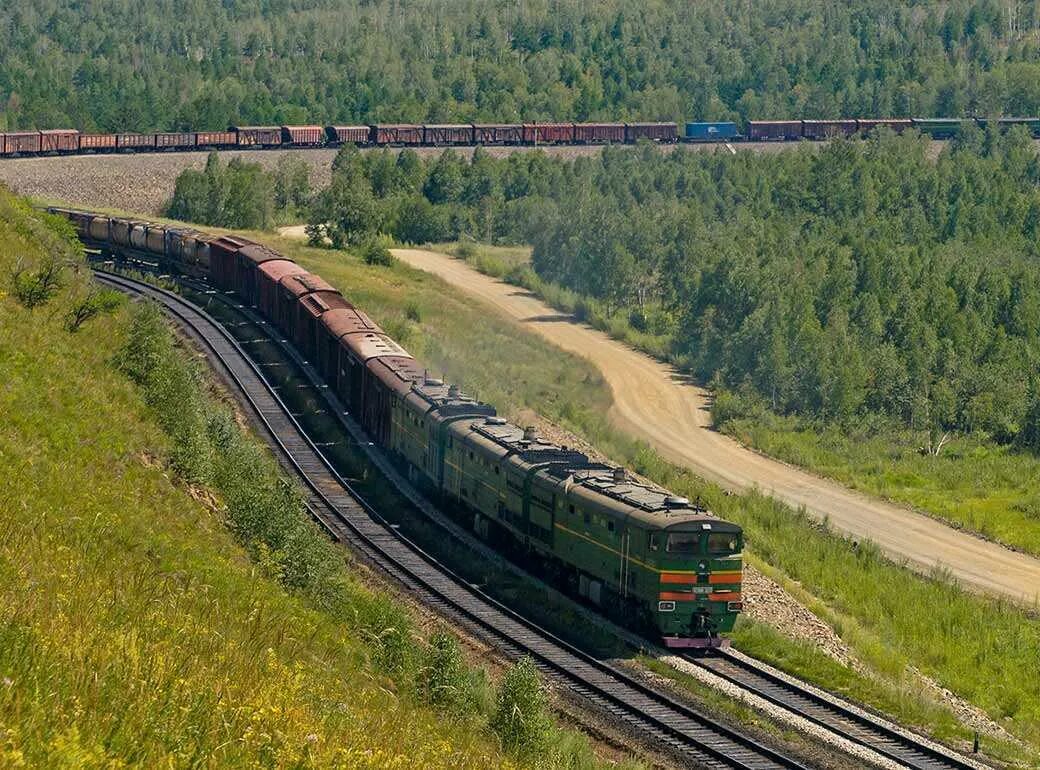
<point>626,546</point>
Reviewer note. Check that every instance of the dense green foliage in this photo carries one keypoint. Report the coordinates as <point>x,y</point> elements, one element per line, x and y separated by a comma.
<point>238,194</point>
<point>117,64</point>
<point>862,278</point>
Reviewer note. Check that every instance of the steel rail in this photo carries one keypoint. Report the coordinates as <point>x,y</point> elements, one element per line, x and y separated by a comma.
<point>348,519</point>
<point>822,709</point>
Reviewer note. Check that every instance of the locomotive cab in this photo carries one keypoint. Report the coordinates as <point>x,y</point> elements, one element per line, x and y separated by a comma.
<point>699,565</point>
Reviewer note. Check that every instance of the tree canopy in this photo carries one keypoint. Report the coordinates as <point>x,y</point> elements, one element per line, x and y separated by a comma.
<point>165,64</point>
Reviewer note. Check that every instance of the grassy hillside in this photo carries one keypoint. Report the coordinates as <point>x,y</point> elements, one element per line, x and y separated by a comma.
<point>135,628</point>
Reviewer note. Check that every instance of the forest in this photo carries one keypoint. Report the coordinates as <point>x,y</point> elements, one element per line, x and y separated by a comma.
<point>858,279</point>
<point>168,64</point>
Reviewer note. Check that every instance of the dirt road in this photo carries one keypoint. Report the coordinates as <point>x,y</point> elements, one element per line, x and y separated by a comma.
<point>655,403</point>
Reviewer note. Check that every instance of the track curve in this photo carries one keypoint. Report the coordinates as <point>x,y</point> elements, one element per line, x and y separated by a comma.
<point>349,520</point>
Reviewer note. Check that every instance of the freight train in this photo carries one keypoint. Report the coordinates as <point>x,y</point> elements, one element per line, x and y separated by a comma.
<point>638,552</point>
<point>72,142</point>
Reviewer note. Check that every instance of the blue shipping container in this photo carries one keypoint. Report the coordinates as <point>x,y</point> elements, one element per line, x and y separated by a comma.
<point>710,132</point>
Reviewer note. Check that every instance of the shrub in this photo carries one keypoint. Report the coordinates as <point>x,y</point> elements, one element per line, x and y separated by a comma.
<point>376,251</point>
<point>443,679</point>
<point>35,286</point>
<point>521,717</point>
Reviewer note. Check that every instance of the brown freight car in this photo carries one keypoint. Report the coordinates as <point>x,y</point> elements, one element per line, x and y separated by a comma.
<point>135,141</point>
<point>774,130</point>
<point>174,140</point>
<point>453,134</point>
<point>386,377</point>
<point>223,258</point>
<point>303,136</point>
<point>548,133</point>
<point>21,143</point>
<point>827,129</point>
<point>312,307</point>
<point>397,134</point>
<point>599,133</point>
<point>654,132</point>
<point>498,133</point>
<point>216,139</point>
<point>97,142</point>
<point>258,136</point>
<point>247,261</point>
<point>335,325</point>
<point>349,134</point>
<point>59,140</point>
<point>269,277</point>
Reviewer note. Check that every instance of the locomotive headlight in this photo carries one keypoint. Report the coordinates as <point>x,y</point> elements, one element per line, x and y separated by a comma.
<point>666,606</point>
<point>702,566</point>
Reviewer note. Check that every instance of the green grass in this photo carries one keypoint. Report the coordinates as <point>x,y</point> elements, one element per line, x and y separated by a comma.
<point>150,622</point>
<point>981,649</point>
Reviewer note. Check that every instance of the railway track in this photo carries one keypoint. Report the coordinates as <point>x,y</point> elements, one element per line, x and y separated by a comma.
<point>345,516</point>
<point>849,722</point>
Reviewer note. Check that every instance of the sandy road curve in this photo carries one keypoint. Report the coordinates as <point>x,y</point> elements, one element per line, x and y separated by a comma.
<point>655,403</point>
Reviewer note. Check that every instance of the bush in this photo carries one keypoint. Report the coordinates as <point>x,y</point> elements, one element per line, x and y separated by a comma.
<point>443,680</point>
<point>376,251</point>
<point>36,286</point>
<point>521,717</point>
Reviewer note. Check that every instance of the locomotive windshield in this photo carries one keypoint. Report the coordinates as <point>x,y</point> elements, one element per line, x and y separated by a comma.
<point>723,542</point>
<point>684,542</point>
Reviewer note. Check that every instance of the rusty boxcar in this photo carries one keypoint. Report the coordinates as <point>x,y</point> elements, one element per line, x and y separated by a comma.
<point>216,139</point>
<point>59,140</point>
<point>174,140</point>
<point>21,143</point>
<point>453,134</point>
<point>303,136</point>
<point>654,132</point>
<point>826,129</point>
<point>135,141</point>
<point>397,134</point>
<point>548,133</point>
<point>498,133</point>
<point>258,136</point>
<point>97,142</point>
<point>599,133</point>
<point>774,130</point>
<point>349,134</point>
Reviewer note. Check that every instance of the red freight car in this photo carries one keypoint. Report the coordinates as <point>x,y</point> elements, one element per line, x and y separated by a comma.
<point>21,143</point>
<point>175,140</point>
<point>866,125</point>
<point>59,140</point>
<point>247,261</point>
<point>548,133</point>
<point>386,378</point>
<point>335,325</point>
<point>135,141</point>
<point>826,129</point>
<point>216,139</point>
<point>774,130</point>
<point>397,133</point>
<point>349,134</point>
<point>312,308</point>
<point>303,136</point>
<point>258,136</point>
<point>223,259</point>
<point>498,133</point>
<point>599,133</point>
<point>269,276</point>
<point>97,142</point>
<point>448,134</point>
<point>655,132</point>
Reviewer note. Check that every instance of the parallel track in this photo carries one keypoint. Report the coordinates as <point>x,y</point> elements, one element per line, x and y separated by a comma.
<point>349,520</point>
<point>849,722</point>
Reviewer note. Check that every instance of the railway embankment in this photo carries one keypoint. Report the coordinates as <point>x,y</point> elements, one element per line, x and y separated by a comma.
<point>164,599</point>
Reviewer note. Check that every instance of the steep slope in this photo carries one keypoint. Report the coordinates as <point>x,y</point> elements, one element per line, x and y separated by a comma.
<point>133,628</point>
